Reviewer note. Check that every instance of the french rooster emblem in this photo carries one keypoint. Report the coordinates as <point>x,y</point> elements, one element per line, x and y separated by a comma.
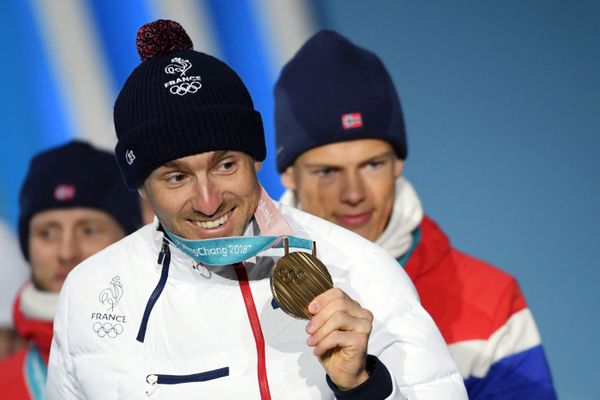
<point>178,65</point>
<point>111,296</point>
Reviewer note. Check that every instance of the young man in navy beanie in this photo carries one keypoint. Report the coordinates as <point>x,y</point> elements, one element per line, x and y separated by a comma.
<point>341,148</point>
<point>73,203</point>
<point>193,314</point>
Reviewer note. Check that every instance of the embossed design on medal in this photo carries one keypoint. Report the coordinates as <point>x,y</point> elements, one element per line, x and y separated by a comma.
<point>296,279</point>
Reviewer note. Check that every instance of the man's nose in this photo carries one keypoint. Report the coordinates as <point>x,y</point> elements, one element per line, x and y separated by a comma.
<point>69,252</point>
<point>207,197</point>
<point>353,189</point>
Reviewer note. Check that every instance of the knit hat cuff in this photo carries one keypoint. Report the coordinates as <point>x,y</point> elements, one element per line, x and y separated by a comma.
<point>174,135</point>
<point>296,135</point>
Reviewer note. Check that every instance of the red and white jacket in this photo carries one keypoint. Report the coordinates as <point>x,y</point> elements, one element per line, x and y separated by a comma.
<point>23,374</point>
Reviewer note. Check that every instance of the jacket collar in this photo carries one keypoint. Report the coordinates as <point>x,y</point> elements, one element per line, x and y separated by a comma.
<point>432,249</point>
<point>406,217</point>
<point>36,330</point>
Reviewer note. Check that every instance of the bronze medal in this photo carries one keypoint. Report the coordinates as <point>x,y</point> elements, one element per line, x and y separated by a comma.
<point>297,279</point>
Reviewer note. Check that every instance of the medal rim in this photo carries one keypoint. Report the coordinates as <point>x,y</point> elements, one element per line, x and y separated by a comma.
<point>276,295</point>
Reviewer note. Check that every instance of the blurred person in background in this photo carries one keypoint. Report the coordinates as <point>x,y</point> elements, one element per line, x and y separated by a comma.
<point>14,272</point>
<point>73,203</point>
<point>341,149</point>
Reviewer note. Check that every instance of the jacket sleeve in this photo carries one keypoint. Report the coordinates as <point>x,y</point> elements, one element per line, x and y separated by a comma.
<point>404,337</point>
<point>419,362</point>
<point>62,383</point>
<point>512,363</point>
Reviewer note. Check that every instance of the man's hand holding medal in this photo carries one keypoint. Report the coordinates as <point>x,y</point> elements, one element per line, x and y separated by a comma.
<point>339,327</point>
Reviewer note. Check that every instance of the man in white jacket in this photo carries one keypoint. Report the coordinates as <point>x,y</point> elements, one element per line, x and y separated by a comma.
<point>183,308</point>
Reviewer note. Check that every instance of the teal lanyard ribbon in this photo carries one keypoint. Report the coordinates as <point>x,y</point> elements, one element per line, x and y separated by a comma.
<point>36,373</point>
<point>232,250</point>
<point>236,249</point>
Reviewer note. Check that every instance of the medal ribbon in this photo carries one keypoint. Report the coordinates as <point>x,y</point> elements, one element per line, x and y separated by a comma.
<point>236,249</point>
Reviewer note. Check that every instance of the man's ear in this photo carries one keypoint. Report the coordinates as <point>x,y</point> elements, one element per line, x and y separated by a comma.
<point>257,166</point>
<point>142,192</point>
<point>398,167</point>
<point>287,178</point>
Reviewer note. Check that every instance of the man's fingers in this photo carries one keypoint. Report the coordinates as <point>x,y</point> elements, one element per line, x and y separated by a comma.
<point>331,308</point>
<point>349,341</point>
<point>338,322</point>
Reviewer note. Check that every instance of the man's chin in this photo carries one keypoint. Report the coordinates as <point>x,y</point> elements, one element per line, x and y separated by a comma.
<point>49,287</point>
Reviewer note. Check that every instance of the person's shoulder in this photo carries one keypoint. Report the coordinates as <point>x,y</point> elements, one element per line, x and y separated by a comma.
<point>482,271</point>
<point>126,263</point>
<point>477,282</point>
<point>120,255</point>
<point>348,255</point>
<point>464,264</point>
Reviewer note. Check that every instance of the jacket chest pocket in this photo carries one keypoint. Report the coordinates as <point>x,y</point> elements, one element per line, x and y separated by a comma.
<point>156,381</point>
<point>116,377</point>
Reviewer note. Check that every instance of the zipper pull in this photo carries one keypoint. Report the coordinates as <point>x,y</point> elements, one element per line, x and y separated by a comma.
<point>152,381</point>
<point>163,251</point>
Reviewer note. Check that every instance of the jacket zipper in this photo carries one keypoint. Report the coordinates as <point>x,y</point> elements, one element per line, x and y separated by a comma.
<point>164,257</point>
<point>263,383</point>
<point>161,379</point>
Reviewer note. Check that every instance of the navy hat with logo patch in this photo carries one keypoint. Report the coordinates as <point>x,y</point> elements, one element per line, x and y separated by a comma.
<point>333,91</point>
<point>180,102</point>
<point>76,175</point>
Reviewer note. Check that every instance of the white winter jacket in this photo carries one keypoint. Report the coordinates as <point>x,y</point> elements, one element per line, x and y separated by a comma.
<point>208,330</point>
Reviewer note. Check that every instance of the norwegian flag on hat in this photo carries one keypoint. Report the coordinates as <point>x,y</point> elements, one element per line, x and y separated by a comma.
<point>64,192</point>
<point>352,120</point>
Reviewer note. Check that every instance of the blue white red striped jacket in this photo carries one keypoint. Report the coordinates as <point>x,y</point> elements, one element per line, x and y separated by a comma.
<point>482,314</point>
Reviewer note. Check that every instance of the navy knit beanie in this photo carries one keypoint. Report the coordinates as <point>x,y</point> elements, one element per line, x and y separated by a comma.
<point>333,91</point>
<point>179,102</point>
<point>76,175</point>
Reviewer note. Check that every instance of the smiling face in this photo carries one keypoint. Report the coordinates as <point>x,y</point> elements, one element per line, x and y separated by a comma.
<point>60,239</point>
<point>205,195</point>
<point>351,184</point>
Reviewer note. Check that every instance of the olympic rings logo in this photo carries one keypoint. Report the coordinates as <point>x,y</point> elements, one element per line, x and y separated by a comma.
<point>108,329</point>
<point>185,88</point>
<point>290,275</point>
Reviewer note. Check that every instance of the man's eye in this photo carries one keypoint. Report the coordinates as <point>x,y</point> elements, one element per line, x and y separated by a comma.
<point>90,230</point>
<point>46,233</point>
<point>325,172</point>
<point>175,178</point>
<point>374,164</point>
<point>226,166</point>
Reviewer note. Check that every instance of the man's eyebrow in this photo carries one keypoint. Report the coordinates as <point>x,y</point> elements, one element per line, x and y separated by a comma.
<point>382,154</point>
<point>386,153</point>
<point>173,164</point>
<point>44,224</point>
<point>176,164</point>
<point>321,165</point>
<point>216,155</point>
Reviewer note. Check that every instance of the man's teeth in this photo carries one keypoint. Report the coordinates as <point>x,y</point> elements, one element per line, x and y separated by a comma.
<point>213,224</point>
